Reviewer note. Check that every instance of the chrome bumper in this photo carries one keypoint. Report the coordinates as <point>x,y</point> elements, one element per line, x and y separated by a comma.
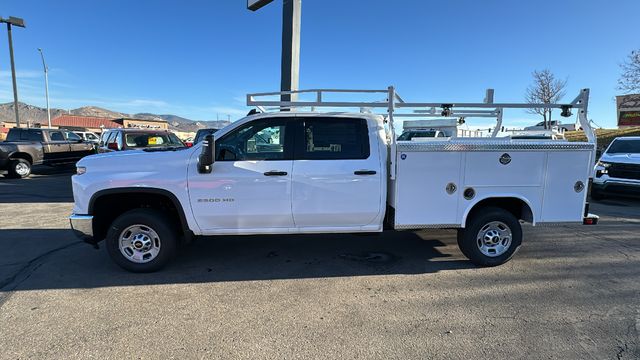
<point>82,226</point>
<point>615,185</point>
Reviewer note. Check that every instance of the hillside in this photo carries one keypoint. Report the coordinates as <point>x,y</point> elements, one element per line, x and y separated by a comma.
<point>35,114</point>
<point>605,136</point>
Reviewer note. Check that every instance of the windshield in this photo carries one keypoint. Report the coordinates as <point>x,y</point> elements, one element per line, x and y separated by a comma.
<point>142,140</point>
<point>624,147</point>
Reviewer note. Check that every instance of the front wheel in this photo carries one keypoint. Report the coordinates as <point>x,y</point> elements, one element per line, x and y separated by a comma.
<point>142,240</point>
<point>491,237</point>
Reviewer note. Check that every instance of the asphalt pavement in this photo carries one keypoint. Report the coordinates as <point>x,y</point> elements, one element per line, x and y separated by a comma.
<point>572,292</point>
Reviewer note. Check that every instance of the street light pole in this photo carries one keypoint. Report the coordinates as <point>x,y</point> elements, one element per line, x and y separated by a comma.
<point>13,76</point>
<point>290,61</point>
<point>46,85</point>
<point>17,22</point>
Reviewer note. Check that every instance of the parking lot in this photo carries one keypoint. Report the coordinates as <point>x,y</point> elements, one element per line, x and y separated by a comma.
<point>572,292</point>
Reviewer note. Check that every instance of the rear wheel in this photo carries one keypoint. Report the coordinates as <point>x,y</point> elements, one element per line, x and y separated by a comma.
<point>19,168</point>
<point>142,240</point>
<point>492,236</point>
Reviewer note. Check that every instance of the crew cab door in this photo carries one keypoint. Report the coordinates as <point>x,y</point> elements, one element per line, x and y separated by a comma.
<point>249,188</point>
<point>56,147</point>
<point>336,174</point>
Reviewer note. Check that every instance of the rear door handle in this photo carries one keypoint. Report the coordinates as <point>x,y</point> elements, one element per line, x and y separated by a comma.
<point>275,173</point>
<point>364,172</point>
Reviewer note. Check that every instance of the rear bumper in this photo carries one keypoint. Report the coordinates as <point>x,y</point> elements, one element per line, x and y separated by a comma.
<point>82,227</point>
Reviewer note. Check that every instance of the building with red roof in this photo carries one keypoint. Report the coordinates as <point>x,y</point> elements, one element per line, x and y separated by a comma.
<point>91,123</point>
<point>98,124</point>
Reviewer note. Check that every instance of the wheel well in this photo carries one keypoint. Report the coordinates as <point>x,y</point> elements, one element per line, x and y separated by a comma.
<point>517,207</point>
<point>22,155</point>
<point>105,208</point>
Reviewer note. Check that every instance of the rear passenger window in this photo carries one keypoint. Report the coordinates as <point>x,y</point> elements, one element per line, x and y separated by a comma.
<point>334,138</point>
<point>34,135</point>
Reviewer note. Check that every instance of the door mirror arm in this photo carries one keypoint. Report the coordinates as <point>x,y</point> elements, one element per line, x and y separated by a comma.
<point>206,158</point>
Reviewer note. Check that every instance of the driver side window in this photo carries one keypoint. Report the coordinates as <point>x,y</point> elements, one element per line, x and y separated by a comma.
<point>266,139</point>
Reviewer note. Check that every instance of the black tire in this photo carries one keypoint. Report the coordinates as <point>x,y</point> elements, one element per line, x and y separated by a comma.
<point>164,228</point>
<point>19,168</point>
<point>596,194</point>
<point>468,237</point>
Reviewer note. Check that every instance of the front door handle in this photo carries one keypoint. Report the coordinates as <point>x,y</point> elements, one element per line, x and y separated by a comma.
<point>275,173</point>
<point>364,172</point>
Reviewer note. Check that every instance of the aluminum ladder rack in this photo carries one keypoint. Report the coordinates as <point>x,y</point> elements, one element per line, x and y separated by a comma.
<point>393,105</point>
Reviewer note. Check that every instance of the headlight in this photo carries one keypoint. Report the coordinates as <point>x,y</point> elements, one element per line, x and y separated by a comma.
<point>602,168</point>
<point>81,170</point>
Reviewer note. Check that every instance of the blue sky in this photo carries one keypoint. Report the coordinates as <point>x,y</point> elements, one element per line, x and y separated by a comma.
<point>198,59</point>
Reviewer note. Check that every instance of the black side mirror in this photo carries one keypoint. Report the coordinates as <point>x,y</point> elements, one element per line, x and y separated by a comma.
<point>206,159</point>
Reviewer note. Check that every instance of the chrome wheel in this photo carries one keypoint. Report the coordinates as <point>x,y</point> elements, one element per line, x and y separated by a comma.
<point>21,169</point>
<point>494,239</point>
<point>139,244</point>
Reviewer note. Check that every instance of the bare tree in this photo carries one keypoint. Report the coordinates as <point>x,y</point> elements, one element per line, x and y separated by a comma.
<point>629,80</point>
<point>545,89</point>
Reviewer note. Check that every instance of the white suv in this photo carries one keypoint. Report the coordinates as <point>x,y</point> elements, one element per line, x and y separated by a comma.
<point>618,170</point>
<point>555,124</point>
<point>88,136</point>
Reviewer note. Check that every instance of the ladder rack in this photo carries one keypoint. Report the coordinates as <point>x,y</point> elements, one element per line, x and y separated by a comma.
<point>395,106</point>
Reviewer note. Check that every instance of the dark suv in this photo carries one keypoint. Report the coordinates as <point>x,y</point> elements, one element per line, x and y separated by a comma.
<point>132,139</point>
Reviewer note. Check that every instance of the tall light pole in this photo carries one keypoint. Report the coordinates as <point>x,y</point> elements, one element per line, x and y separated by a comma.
<point>46,85</point>
<point>17,22</point>
<point>290,61</point>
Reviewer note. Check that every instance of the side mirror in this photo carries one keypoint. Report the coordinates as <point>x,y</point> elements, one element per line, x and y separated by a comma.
<point>206,159</point>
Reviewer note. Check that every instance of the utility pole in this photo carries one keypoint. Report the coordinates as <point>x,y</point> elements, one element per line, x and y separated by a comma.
<point>17,22</point>
<point>46,85</point>
<point>290,61</point>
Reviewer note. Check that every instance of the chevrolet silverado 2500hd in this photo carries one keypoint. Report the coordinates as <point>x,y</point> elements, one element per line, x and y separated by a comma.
<point>292,172</point>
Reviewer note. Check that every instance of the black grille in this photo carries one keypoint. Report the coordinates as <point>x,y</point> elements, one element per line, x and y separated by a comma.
<point>625,171</point>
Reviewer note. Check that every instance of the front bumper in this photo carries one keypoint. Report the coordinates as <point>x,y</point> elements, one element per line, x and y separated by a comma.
<point>617,186</point>
<point>82,227</point>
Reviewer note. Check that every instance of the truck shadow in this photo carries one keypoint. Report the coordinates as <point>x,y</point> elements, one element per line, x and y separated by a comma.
<point>72,264</point>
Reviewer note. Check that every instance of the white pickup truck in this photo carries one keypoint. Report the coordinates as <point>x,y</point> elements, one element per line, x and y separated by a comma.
<point>293,172</point>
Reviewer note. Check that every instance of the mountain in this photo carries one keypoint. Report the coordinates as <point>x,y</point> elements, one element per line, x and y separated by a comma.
<point>183,124</point>
<point>35,114</point>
